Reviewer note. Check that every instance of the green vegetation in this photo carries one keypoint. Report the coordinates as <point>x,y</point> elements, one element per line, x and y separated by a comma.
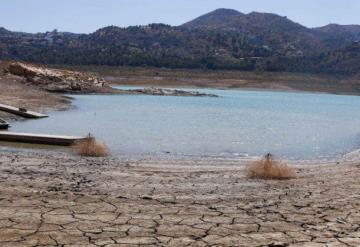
<point>223,39</point>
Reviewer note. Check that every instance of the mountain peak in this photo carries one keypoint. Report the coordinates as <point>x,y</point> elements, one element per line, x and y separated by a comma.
<point>233,19</point>
<point>4,31</point>
<point>349,32</point>
<point>336,28</point>
<point>225,12</point>
<point>215,18</point>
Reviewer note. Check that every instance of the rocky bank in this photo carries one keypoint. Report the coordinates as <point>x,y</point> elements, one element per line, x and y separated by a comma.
<point>167,92</point>
<point>56,80</point>
<point>67,81</point>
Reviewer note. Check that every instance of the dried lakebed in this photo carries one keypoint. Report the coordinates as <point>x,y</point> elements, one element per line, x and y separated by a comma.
<point>63,200</point>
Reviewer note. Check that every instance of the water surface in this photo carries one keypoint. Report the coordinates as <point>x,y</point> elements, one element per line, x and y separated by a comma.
<point>293,125</point>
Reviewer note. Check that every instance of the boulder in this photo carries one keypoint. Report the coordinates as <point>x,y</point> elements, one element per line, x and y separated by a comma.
<point>56,80</point>
<point>169,92</point>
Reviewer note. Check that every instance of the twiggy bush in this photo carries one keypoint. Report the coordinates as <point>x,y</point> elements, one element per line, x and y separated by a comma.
<point>90,147</point>
<point>269,168</point>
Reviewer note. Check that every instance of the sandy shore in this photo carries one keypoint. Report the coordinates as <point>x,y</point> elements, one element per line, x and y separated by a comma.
<point>59,199</point>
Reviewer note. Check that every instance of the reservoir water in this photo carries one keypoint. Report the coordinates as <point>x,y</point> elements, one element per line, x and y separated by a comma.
<point>291,125</point>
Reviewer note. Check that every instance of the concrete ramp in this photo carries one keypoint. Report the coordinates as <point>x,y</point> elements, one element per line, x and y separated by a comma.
<point>39,138</point>
<point>21,112</point>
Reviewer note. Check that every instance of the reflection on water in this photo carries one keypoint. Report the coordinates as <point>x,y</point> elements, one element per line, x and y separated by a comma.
<point>293,125</point>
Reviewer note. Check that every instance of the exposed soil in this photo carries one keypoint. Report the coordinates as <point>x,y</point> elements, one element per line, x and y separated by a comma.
<point>63,200</point>
<point>14,92</point>
<point>58,199</point>
<point>162,77</point>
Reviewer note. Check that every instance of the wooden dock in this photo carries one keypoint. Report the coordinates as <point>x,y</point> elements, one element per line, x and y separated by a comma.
<point>39,138</point>
<point>21,112</point>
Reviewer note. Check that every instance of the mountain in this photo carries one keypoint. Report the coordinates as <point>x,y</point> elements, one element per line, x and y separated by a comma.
<point>234,20</point>
<point>219,18</point>
<point>349,31</point>
<point>340,34</point>
<point>222,39</point>
<point>343,61</point>
<point>4,31</point>
<point>263,29</point>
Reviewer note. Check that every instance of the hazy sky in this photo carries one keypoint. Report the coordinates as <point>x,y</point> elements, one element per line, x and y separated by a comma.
<point>88,15</point>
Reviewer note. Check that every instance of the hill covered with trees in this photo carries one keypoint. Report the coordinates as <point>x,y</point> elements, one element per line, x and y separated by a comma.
<point>222,39</point>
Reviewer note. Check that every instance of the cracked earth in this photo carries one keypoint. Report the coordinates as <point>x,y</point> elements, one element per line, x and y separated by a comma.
<point>63,200</point>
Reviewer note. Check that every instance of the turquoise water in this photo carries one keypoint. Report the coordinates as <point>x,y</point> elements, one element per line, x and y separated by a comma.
<point>291,125</point>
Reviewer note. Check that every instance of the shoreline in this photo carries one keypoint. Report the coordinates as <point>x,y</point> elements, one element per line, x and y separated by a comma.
<point>14,92</point>
<point>228,79</point>
<point>69,105</point>
<point>19,93</point>
<point>54,197</point>
<point>272,90</point>
<point>41,150</point>
<point>127,83</point>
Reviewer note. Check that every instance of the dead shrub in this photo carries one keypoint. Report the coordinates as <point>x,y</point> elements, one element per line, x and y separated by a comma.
<point>269,168</point>
<point>90,147</point>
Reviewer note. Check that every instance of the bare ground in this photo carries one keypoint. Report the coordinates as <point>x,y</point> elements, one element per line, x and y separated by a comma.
<point>14,92</point>
<point>57,199</point>
<point>163,77</point>
<point>64,200</point>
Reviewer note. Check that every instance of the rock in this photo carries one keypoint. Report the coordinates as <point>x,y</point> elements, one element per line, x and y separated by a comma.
<point>56,80</point>
<point>168,92</point>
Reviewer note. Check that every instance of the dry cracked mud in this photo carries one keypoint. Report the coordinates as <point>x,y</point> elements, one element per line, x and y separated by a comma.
<point>63,200</point>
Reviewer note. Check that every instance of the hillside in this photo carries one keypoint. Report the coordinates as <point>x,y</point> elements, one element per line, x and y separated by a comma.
<point>349,32</point>
<point>222,39</point>
<point>220,18</point>
<point>279,35</point>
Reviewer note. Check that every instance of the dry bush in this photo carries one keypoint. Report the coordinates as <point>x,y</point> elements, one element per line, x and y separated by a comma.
<point>90,147</point>
<point>268,168</point>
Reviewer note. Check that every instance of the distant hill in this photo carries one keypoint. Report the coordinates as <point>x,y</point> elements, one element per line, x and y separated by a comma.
<point>263,29</point>
<point>350,32</point>
<point>220,18</point>
<point>222,39</point>
<point>3,30</point>
<point>340,35</point>
<point>234,20</point>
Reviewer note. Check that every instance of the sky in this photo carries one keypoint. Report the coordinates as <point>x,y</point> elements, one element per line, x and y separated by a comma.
<point>86,16</point>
